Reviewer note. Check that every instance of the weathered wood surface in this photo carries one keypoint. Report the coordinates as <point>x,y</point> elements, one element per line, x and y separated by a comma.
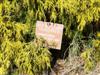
<point>51,32</point>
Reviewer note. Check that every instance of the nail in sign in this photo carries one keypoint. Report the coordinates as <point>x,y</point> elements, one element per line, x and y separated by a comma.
<point>51,32</point>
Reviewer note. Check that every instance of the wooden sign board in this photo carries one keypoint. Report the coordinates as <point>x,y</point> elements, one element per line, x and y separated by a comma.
<point>51,32</point>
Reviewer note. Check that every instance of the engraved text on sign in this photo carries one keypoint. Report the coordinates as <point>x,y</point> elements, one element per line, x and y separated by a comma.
<point>51,32</point>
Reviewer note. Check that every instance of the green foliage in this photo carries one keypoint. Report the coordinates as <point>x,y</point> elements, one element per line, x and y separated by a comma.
<point>76,45</point>
<point>17,31</point>
<point>20,53</point>
<point>88,48</point>
<point>91,54</point>
<point>72,13</point>
<point>18,56</point>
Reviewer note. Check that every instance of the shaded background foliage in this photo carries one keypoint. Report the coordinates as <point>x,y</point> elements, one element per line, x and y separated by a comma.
<point>74,14</point>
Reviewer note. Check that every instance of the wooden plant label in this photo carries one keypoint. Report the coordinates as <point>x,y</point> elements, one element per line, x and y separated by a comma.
<point>51,32</point>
